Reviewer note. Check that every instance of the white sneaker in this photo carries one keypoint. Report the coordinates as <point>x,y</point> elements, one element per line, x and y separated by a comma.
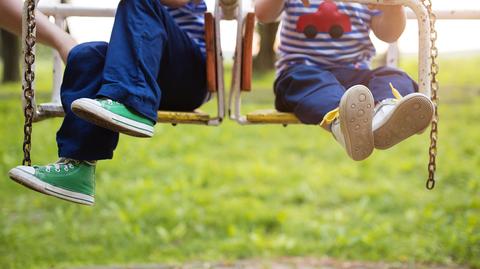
<point>397,119</point>
<point>353,128</point>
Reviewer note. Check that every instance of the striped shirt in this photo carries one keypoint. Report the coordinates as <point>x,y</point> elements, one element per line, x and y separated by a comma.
<point>353,48</point>
<point>190,18</point>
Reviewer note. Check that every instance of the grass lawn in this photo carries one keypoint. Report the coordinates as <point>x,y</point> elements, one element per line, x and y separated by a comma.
<point>195,193</point>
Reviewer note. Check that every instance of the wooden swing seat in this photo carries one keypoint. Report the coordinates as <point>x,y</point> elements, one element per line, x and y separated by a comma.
<point>49,110</point>
<point>262,116</point>
<point>55,109</point>
<point>175,117</point>
<point>272,116</point>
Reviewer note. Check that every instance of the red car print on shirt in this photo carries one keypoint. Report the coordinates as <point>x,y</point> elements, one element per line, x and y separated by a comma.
<point>326,19</point>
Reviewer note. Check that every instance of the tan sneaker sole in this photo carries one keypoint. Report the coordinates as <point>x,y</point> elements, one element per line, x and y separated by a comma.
<point>356,114</point>
<point>411,115</point>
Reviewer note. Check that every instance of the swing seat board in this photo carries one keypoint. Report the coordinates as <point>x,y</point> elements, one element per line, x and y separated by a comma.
<point>196,116</point>
<point>49,110</point>
<point>272,116</point>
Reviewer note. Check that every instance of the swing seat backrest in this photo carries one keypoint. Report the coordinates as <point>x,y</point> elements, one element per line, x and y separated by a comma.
<point>197,116</point>
<point>263,116</point>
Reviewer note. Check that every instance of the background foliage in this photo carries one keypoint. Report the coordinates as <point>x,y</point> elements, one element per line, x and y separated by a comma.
<point>195,193</point>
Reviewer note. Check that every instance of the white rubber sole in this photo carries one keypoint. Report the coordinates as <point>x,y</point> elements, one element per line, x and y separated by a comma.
<point>410,116</point>
<point>20,175</point>
<point>356,114</point>
<point>90,110</point>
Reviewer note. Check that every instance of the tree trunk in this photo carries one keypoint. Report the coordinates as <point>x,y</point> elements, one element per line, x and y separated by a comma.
<point>265,60</point>
<point>11,57</point>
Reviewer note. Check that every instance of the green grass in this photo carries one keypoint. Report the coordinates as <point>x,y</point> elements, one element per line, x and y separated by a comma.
<point>195,193</point>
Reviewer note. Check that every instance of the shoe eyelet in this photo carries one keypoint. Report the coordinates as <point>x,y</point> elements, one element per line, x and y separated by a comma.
<point>57,170</point>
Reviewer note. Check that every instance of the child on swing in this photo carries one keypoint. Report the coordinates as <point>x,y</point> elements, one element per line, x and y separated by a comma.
<point>155,60</point>
<point>323,75</point>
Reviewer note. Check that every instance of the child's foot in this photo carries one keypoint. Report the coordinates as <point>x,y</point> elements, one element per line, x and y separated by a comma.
<point>66,179</point>
<point>114,116</point>
<point>353,128</point>
<point>397,119</point>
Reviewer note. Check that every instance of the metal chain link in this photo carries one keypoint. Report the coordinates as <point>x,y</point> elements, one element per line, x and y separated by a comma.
<point>29,77</point>
<point>432,151</point>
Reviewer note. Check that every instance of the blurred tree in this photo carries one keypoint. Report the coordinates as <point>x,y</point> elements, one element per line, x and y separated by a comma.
<point>265,60</point>
<point>10,51</point>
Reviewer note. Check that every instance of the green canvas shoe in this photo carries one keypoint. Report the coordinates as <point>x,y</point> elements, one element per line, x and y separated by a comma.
<point>114,116</point>
<point>66,179</point>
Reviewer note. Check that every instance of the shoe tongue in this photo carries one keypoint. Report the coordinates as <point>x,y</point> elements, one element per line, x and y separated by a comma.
<point>66,161</point>
<point>385,106</point>
<point>382,110</point>
<point>337,133</point>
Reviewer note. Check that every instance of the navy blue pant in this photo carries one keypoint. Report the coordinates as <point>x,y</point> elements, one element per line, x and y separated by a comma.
<point>149,64</point>
<point>310,92</point>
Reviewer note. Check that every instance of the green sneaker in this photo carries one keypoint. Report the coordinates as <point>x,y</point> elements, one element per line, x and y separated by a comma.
<point>66,179</point>
<point>114,116</point>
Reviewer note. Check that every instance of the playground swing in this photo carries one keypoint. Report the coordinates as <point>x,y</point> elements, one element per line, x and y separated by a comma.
<point>427,71</point>
<point>214,67</point>
<point>242,73</point>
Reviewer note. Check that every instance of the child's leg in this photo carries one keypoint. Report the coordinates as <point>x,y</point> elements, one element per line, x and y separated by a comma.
<point>380,78</point>
<point>151,59</point>
<point>377,81</point>
<point>316,96</point>
<point>129,71</point>
<point>307,91</point>
<point>78,139</point>
<point>150,63</point>
<point>400,112</point>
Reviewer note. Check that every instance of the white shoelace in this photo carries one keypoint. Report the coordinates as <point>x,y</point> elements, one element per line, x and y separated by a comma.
<point>111,102</point>
<point>68,164</point>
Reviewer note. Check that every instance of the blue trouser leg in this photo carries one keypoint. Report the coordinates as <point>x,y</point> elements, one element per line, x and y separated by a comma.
<point>377,80</point>
<point>307,91</point>
<point>150,64</point>
<point>79,139</point>
<point>310,92</point>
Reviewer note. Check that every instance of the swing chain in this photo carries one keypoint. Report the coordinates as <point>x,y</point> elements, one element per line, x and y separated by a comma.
<point>432,151</point>
<point>29,77</point>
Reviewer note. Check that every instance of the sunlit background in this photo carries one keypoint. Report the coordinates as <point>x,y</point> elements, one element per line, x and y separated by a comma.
<point>262,194</point>
<point>454,35</point>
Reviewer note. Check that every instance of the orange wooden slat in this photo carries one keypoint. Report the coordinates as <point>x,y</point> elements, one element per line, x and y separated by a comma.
<point>247,58</point>
<point>211,53</point>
